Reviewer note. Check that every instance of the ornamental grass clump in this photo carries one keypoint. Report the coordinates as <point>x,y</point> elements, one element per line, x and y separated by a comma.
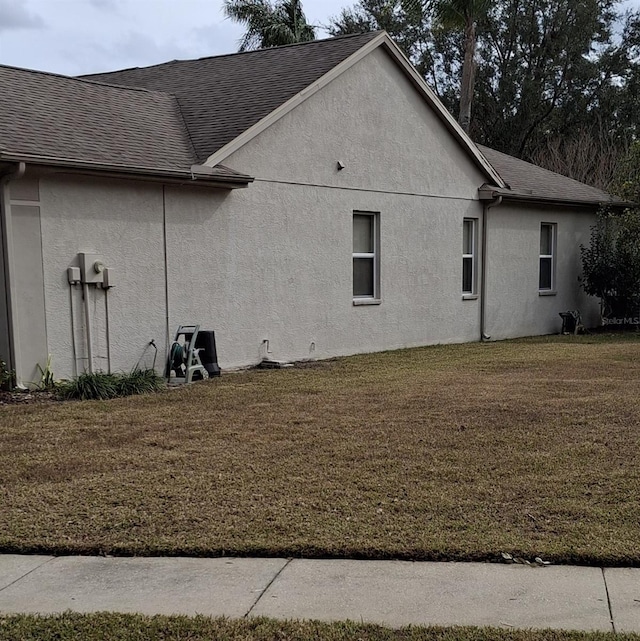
<point>103,386</point>
<point>139,381</point>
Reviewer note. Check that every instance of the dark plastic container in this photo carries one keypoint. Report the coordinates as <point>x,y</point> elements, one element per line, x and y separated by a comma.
<point>206,343</point>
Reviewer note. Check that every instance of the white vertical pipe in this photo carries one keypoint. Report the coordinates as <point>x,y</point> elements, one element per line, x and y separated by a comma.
<point>87,323</point>
<point>106,322</point>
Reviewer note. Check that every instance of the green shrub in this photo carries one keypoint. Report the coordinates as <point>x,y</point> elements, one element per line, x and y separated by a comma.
<point>139,381</point>
<point>7,377</point>
<point>611,262</point>
<point>102,386</point>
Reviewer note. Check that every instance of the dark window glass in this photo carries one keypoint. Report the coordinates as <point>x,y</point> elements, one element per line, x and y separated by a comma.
<point>546,239</point>
<point>545,273</point>
<point>467,275</point>
<point>467,237</point>
<point>363,277</point>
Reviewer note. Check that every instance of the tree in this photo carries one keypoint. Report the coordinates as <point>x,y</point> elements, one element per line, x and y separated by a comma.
<point>404,21</point>
<point>544,67</point>
<point>626,183</point>
<point>463,16</point>
<point>269,25</point>
<point>611,263</point>
<point>588,155</point>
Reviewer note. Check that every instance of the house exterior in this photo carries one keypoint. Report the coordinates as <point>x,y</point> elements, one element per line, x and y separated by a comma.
<point>304,202</point>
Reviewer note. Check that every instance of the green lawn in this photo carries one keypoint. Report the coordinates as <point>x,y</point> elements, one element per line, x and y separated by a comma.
<point>449,452</point>
<point>130,627</point>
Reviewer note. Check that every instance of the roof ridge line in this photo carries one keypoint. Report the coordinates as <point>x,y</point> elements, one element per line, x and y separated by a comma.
<point>86,80</point>
<point>238,53</point>
<point>183,120</point>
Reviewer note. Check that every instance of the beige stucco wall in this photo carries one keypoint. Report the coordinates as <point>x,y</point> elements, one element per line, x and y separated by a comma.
<point>514,304</point>
<point>122,221</point>
<point>282,271</point>
<point>278,255</point>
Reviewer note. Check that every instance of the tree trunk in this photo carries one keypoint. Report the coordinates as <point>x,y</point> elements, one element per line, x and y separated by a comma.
<point>468,74</point>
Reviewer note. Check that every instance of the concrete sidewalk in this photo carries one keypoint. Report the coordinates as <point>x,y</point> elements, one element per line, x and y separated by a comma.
<point>392,593</point>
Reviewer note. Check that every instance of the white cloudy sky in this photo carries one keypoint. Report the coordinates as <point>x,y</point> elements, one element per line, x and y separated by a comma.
<point>84,36</point>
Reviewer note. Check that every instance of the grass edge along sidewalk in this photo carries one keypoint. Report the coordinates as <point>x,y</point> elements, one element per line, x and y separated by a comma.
<point>130,627</point>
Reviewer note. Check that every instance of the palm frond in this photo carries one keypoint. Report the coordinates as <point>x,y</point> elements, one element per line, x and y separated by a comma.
<point>269,25</point>
<point>453,14</point>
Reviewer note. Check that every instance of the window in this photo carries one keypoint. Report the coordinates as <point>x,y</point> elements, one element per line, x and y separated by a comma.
<point>547,280</point>
<point>469,265</point>
<point>365,256</point>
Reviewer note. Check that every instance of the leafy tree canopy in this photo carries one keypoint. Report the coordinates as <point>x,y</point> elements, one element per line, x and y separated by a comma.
<point>269,24</point>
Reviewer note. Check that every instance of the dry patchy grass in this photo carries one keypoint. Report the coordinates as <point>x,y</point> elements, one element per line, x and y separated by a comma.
<point>132,627</point>
<point>449,452</point>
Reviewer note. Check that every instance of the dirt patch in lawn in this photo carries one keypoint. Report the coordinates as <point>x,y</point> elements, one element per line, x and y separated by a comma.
<point>26,397</point>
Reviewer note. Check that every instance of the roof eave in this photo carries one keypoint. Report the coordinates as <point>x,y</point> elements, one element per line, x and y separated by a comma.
<point>491,193</point>
<point>196,174</point>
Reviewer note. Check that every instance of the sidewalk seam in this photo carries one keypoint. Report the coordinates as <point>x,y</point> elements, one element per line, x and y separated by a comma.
<point>278,573</point>
<point>53,558</point>
<point>606,589</point>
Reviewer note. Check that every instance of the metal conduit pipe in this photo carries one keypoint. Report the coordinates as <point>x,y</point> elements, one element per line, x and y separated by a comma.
<point>87,326</point>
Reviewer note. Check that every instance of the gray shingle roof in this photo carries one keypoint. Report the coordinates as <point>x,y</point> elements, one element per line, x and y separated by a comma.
<point>47,115</point>
<point>223,96</point>
<point>535,182</point>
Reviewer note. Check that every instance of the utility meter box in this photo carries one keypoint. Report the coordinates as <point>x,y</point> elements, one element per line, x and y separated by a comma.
<point>91,268</point>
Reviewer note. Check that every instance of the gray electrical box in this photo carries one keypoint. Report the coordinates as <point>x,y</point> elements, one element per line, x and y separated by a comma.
<point>91,268</point>
<point>73,275</point>
<point>108,278</point>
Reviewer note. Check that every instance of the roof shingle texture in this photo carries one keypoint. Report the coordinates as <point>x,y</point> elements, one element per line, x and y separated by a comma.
<point>223,96</point>
<point>53,116</point>
<point>522,176</point>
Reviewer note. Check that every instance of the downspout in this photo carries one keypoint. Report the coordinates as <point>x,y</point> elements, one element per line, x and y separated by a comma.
<point>7,250</point>
<point>483,279</point>
<point>166,266</point>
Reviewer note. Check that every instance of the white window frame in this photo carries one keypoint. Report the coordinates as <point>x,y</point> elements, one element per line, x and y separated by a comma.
<point>375,256</point>
<point>473,256</point>
<point>551,257</point>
